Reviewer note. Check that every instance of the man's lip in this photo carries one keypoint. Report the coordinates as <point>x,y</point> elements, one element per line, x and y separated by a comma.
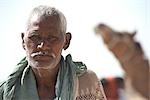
<point>42,55</point>
<point>39,54</point>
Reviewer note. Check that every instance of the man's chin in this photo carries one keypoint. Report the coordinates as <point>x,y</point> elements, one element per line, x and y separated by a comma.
<point>42,64</point>
<point>45,67</point>
<point>43,58</point>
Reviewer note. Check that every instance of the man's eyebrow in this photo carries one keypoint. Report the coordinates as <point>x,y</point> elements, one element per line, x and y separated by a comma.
<point>32,33</point>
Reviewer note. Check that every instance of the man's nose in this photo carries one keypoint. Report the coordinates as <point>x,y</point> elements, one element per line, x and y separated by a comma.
<point>43,45</point>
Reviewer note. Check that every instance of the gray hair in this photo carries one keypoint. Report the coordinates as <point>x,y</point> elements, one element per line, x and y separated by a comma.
<point>45,11</point>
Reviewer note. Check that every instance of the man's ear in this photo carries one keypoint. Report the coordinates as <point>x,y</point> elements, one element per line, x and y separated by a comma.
<point>22,37</point>
<point>68,39</point>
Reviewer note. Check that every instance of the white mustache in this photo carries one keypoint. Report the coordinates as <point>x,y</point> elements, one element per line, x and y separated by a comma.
<point>43,53</point>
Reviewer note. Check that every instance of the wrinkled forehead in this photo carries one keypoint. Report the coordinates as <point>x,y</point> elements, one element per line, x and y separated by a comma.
<point>44,21</point>
<point>35,18</point>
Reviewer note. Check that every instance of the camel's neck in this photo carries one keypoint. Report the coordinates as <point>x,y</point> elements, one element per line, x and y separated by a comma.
<point>135,64</point>
<point>125,52</point>
<point>130,56</point>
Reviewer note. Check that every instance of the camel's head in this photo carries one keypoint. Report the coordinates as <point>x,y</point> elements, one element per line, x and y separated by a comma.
<point>118,42</point>
<point>105,31</point>
<point>108,33</point>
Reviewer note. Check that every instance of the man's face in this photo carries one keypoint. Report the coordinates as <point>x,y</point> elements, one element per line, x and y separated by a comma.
<point>44,42</point>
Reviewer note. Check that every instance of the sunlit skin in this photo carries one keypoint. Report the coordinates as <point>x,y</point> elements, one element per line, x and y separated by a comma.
<point>43,43</point>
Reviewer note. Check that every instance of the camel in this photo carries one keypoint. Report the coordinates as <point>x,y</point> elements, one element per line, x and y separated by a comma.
<point>132,59</point>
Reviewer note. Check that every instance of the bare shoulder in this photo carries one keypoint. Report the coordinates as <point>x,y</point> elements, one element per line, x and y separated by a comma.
<point>90,87</point>
<point>89,77</point>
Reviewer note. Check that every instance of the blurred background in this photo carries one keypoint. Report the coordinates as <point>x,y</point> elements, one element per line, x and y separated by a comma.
<point>82,17</point>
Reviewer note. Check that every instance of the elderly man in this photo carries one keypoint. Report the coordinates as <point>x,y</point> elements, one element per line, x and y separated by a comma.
<point>44,74</point>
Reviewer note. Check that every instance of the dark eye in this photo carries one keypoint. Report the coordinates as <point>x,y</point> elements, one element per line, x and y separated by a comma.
<point>52,39</point>
<point>34,38</point>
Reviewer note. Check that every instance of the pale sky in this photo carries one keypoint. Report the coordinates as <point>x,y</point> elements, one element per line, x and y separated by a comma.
<point>82,16</point>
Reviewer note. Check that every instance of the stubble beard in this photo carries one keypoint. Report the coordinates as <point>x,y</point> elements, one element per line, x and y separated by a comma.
<point>36,64</point>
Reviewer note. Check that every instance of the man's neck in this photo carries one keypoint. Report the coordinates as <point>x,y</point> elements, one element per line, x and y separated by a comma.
<point>46,77</point>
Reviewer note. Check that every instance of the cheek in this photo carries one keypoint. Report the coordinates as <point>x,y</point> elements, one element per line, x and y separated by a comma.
<point>29,47</point>
<point>58,48</point>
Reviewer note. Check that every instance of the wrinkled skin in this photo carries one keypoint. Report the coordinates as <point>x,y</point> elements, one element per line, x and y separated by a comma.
<point>44,42</point>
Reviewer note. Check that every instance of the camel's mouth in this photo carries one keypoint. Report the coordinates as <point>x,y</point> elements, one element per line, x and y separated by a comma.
<point>99,27</point>
<point>105,32</point>
<point>103,29</point>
